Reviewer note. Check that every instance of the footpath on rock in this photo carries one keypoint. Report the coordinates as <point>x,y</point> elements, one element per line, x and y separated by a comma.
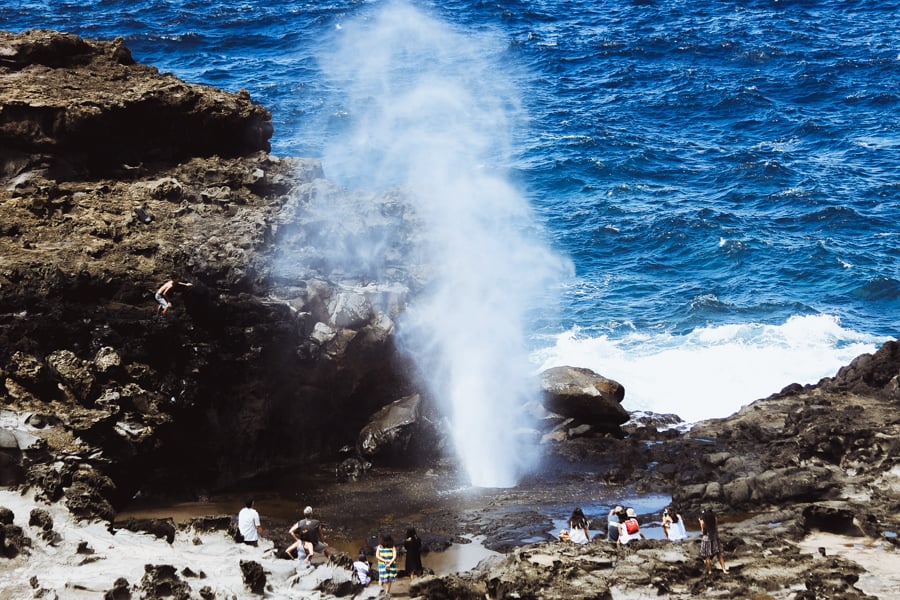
<point>115,177</point>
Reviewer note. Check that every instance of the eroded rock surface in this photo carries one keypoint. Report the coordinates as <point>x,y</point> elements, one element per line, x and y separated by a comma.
<point>114,178</point>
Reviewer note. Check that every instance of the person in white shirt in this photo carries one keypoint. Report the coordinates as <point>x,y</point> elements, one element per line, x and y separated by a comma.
<point>578,527</point>
<point>673,525</point>
<point>361,570</point>
<point>629,529</point>
<point>248,524</point>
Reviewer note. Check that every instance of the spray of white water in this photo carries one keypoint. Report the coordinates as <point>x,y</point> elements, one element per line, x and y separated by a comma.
<point>430,110</point>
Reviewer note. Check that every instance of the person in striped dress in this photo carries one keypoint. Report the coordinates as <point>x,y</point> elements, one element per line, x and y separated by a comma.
<point>386,554</point>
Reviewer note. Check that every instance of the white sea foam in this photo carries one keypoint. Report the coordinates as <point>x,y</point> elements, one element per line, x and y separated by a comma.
<point>712,371</point>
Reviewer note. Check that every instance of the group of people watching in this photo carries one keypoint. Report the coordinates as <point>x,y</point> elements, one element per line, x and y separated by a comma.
<point>623,526</point>
<point>309,538</point>
<point>308,535</point>
<point>386,553</point>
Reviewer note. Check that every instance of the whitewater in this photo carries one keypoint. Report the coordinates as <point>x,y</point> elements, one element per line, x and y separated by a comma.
<point>721,179</point>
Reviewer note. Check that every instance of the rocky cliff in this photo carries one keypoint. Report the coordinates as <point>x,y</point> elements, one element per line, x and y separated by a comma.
<point>114,178</point>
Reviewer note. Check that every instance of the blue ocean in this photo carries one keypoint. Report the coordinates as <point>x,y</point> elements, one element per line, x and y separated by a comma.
<point>722,179</point>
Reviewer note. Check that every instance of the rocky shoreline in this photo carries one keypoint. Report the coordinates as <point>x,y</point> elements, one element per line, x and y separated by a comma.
<point>116,177</point>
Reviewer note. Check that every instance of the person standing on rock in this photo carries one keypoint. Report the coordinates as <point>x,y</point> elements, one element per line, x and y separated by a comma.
<point>248,524</point>
<point>413,546</point>
<point>578,527</point>
<point>161,294</point>
<point>709,544</point>
<point>386,554</point>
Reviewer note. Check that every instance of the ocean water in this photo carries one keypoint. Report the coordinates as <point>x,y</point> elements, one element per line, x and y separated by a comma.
<point>721,179</point>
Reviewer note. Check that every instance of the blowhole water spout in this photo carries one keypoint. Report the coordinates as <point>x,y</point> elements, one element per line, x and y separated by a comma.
<point>431,113</point>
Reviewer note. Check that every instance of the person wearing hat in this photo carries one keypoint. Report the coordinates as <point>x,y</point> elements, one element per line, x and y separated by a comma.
<point>612,523</point>
<point>308,532</point>
<point>629,529</point>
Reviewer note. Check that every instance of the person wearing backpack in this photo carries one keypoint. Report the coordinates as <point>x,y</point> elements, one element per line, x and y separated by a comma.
<point>629,529</point>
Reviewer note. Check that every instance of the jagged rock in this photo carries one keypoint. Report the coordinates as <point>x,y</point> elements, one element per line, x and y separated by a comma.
<point>648,568</point>
<point>114,178</point>
<point>13,541</point>
<point>254,576</point>
<point>121,590</point>
<point>876,374</point>
<point>40,518</point>
<point>84,548</point>
<point>161,528</point>
<point>162,581</point>
<point>390,430</point>
<point>73,372</point>
<point>584,395</point>
<point>211,523</point>
<point>133,113</point>
<point>87,495</point>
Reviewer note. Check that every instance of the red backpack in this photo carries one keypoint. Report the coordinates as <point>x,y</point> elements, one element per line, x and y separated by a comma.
<point>631,526</point>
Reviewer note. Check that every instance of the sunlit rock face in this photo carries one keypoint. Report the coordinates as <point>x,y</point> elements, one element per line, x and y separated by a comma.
<point>115,178</point>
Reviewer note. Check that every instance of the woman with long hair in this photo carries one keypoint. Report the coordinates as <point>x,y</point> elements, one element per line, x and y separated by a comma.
<point>709,544</point>
<point>673,525</point>
<point>578,527</point>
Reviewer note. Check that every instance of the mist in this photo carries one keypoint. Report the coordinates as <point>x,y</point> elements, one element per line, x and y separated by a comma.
<point>430,110</point>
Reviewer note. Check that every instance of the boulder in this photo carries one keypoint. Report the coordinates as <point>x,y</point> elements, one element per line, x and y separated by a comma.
<point>877,373</point>
<point>162,581</point>
<point>584,395</point>
<point>121,590</point>
<point>254,576</point>
<point>390,430</point>
<point>161,528</point>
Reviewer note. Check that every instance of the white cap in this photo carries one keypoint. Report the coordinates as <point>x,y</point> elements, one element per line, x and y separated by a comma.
<point>307,511</point>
